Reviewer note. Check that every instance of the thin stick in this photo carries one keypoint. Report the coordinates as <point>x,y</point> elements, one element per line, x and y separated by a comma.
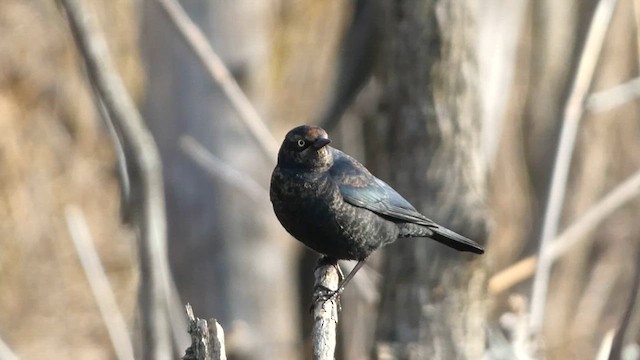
<point>121,156</point>
<point>575,233</point>
<point>571,119</point>
<point>6,353</point>
<point>145,172</point>
<point>325,312</point>
<point>636,18</point>
<point>616,96</point>
<point>207,339</point>
<point>622,194</point>
<point>219,169</point>
<point>617,344</point>
<point>198,42</point>
<point>176,317</point>
<point>99,283</point>
<point>605,345</point>
<point>514,274</point>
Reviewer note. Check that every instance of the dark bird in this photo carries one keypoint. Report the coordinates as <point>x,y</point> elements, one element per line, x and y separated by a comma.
<point>331,203</point>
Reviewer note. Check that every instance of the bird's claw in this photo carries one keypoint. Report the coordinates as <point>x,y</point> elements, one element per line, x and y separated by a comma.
<point>340,274</point>
<point>322,294</point>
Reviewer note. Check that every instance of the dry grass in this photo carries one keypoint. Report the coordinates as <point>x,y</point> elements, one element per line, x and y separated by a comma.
<point>54,152</point>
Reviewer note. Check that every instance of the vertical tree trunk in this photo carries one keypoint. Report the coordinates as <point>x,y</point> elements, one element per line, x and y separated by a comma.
<point>432,305</point>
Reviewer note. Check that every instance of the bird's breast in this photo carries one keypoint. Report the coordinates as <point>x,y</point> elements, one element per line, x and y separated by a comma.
<point>312,209</point>
<point>303,196</point>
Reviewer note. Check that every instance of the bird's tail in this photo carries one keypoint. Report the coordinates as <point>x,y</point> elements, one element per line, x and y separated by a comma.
<point>454,240</point>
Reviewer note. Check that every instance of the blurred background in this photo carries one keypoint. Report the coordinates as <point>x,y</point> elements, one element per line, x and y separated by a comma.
<point>459,105</point>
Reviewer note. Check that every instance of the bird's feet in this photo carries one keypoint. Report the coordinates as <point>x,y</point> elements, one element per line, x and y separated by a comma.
<point>322,294</point>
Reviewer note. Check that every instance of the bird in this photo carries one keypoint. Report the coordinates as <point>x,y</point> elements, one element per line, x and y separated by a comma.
<point>332,204</point>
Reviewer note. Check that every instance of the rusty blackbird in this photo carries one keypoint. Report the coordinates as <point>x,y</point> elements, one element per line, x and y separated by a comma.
<point>334,205</point>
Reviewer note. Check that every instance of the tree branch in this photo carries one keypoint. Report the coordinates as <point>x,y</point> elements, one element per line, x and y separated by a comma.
<point>605,346</point>
<point>617,345</point>
<point>207,339</point>
<point>219,169</point>
<point>571,119</point>
<point>219,73</point>
<point>6,353</point>
<point>615,199</point>
<point>100,286</point>
<point>176,317</point>
<point>145,173</point>
<point>616,96</point>
<point>325,312</point>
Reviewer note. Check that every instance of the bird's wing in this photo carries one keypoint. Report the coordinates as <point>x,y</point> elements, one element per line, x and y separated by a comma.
<point>360,188</point>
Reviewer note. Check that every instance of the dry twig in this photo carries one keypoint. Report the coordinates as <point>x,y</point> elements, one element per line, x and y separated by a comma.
<point>576,232</point>
<point>176,318</point>
<point>100,286</point>
<point>325,312</point>
<point>197,41</point>
<point>605,345</point>
<point>6,353</point>
<point>207,339</point>
<point>616,96</point>
<point>221,170</point>
<point>144,170</point>
<point>571,119</point>
<point>617,344</point>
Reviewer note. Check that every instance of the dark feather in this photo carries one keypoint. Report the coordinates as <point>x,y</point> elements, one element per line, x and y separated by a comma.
<point>360,188</point>
<point>455,240</point>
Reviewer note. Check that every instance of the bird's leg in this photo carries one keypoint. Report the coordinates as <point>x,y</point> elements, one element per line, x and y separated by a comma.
<point>335,294</point>
<point>321,292</point>
<point>350,276</point>
<point>340,273</point>
<point>328,294</point>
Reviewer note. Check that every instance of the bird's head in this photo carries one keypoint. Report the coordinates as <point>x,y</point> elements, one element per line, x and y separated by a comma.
<point>305,147</point>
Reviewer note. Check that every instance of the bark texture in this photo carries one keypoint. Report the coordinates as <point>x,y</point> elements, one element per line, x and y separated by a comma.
<point>432,305</point>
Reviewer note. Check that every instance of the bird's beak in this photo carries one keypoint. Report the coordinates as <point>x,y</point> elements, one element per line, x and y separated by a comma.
<point>319,143</point>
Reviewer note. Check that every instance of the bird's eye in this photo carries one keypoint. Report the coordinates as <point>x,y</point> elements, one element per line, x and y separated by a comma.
<point>301,143</point>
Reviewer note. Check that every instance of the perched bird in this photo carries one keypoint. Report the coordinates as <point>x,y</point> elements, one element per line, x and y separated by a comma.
<point>334,205</point>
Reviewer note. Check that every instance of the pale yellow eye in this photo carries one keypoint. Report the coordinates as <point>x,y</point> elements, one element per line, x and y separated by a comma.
<point>301,143</point>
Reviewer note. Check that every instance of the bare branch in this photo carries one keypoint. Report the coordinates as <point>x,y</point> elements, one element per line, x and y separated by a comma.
<point>512,275</point>
<point>221,75</point>
<point>219,169</point>
<point>207,339</point>
<point>616,96</point>
<point>636,20</point>
<point>325,312</point>
<point>615,199</point>
<point>617,345</point>
<point>121,157</point>
<point>145,172</point>
<point>176,318</point>
<point>605,345</point>
<point>6,353</point>
<point>571,119</point>
<point>100,286</point>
